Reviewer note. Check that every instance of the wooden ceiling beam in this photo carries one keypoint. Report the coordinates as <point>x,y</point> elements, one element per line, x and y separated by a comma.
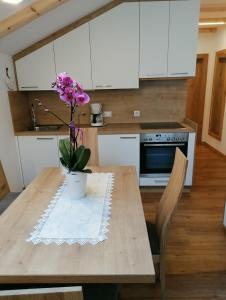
<point>27,14</point>
<point>213,8</point>
<point>207,29</point>
<point>220,19</point>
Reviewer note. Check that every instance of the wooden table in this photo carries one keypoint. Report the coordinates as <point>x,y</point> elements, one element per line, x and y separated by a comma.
<point>125,257</point>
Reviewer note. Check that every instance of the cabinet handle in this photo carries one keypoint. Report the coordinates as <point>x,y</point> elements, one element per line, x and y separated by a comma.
<point>179,73</point>
<point>128,137</point>
<point>155,74</point>
<point>161,181</point>
<point>29,87</point>
<point>104,86</point>
<point>44,138</point>
<point>167,145</point>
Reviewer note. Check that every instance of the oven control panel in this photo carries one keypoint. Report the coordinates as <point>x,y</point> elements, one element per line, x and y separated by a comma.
<point>164,137</point>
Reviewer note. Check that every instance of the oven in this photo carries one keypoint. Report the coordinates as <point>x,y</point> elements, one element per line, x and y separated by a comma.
<point>157,152</point>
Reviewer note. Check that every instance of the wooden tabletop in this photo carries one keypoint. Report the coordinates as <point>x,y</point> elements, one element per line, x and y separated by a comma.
<point>124,257</point>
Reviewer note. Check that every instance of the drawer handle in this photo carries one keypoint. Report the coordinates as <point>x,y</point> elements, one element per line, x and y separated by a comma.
<point>179,73</point>
<point>155,74</point>
<point>167,145</point>
<point>161,181</point>
<point>29,87</point>
<point>128,137</point>
<point>104,86</point>
<point>44,138</point>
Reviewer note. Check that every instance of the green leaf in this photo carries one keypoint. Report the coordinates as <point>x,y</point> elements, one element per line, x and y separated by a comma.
<point>63,162</point>
<point>83,155</point>
<point>64,147</point>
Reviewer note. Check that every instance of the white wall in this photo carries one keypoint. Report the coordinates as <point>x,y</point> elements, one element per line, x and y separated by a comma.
<point>210,43</point>
<point>8,150</point>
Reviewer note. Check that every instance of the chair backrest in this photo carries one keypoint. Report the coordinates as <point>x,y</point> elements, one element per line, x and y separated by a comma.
<point>4,187</point>
<point>62,293</point>
<point>170,197</point>
<point>90,141</point>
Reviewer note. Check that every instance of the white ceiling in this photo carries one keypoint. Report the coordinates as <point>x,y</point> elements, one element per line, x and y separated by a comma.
<point>47,24</point>
<point>7,9</point>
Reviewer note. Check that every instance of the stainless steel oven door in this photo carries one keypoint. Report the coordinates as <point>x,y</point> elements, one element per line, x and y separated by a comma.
<point>156,159</point>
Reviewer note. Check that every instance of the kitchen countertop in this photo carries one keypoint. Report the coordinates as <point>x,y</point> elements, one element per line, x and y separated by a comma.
<point>131,128</point>
<point>120,128</point>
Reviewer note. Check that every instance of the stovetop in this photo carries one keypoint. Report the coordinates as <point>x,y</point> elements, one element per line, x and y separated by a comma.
<point>161,125</point>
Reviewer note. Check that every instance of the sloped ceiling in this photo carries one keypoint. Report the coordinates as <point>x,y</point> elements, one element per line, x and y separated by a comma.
<point>47,24</point>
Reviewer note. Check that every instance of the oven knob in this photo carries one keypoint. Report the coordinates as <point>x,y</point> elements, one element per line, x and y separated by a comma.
<point>168,139</point>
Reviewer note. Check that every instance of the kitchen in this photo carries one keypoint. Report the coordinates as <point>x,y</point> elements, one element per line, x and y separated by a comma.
<point>143,103</point>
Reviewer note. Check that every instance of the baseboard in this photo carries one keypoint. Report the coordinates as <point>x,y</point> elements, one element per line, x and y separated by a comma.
<point>214,149</point>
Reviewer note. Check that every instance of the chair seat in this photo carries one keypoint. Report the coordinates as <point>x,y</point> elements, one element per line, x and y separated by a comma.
<point>153,238</point>
<point>7,200</point>
<point>101,291</point>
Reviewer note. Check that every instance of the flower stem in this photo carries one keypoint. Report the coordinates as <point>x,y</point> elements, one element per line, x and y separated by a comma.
<point>49,111</point>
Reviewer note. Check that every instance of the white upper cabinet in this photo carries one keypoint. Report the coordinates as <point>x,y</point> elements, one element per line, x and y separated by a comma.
<point>183,35</point>
<point>154,33</point>
<point>36,71</point>
<point>115,48</point>
<point>72,55</point>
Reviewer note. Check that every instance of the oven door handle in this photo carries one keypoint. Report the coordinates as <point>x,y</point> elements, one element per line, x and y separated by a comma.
<point>168,145</point>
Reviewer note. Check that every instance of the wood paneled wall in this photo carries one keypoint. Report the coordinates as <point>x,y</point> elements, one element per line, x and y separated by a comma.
<point>158,100</point>
<point>19,105</point>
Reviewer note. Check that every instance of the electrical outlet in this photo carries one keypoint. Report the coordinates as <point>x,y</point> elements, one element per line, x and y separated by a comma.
<point>136,113</point>
<point>107,114</point>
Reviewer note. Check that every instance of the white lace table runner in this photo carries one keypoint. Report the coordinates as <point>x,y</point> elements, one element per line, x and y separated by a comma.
<point>77,221</point>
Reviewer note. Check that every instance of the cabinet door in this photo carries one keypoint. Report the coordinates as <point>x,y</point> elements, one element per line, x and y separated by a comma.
<point>115,48</point>
<point>37,153</point>
<point>183,37</point>
<point>154,27</point>
<point>119,150</point>
<point>36,71</point>
<point>72,55</point>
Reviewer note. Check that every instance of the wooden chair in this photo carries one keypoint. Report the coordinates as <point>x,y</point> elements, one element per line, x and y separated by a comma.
<point>62,293</point>
<point>6,198</point>
<point>90,141</point>
<point>4,187</point>
<point>158,232</point>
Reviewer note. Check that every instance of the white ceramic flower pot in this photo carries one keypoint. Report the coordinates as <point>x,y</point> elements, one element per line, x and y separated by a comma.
<point>76,184</point>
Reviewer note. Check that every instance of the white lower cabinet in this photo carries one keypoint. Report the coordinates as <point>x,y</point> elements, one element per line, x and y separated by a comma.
<point>119,150</point>
<point>36,153</point>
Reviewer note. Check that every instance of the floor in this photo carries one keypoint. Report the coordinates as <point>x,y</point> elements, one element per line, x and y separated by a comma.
<point>196,260</point>
<point>7,200</point>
